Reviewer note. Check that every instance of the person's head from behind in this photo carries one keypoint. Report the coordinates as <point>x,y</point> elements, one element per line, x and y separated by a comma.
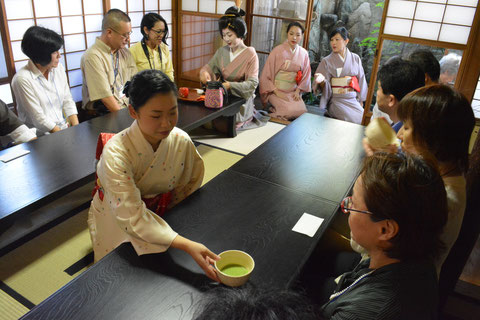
<point>116,29</point>
<point>249,303</point>
<point>395,80</point>
<point>399,207</point>
<point>232,27</point>
<point>428,63</point>
<point>42,46</point>
<point>295,32</point>
<point>449,65</point>
<point>153,103</point>
<point>339,39</point>
<point>154,28</point>
<point>437,120</point>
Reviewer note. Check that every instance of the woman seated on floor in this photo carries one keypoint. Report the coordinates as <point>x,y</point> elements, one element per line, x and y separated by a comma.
<point>397,212</point>
<point>144,170</point>
<point>286,75</point>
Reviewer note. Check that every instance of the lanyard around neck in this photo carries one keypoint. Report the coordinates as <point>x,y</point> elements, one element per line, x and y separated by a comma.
<point>147,54</point>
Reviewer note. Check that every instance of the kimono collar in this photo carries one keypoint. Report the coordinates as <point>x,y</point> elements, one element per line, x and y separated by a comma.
<point>287,47</point>
<point>138,138</point>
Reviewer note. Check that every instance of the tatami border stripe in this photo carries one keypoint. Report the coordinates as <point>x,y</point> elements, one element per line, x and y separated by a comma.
<point>80,264</point>
<point>17,296</point>
<point>226,150</point>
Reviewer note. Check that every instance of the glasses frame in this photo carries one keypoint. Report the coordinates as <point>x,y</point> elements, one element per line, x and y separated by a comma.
<point>160,32</point>
<point>347,210</point>
<point>124,36</point>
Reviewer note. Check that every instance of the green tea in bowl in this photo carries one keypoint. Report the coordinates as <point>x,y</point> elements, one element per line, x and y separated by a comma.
<point>234,267</point>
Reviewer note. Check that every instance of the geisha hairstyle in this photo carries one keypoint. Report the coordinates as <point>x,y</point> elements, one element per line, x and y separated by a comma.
<point>295,24</point>
<point>341,31</point>
<point>233,21</point>
<point>145,85</point>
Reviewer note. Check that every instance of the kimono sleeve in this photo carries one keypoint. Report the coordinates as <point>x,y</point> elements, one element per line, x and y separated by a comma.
<point>124,200</point>
<point>246,88</point>
<point>213,66</point>
<point>327,89</point>
<point>362,95</point>
<point>305,82</point>
<point>267,83</point>
<point>192,175</point>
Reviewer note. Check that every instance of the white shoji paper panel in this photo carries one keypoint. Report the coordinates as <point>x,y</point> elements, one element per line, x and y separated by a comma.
<point>207,6</point>
<point>470,3</point>
<point>72,25</point>
<point>136,35</point>
<point>430,12</point>
<point>222,6</point>
<point>455,34</point>
<point>166,4</point>
<point>50,23</point>
<point>401,9</point>
<point>19,9</point>
<point>398,27</point>
<point>75,42</point>
<point>62,59</point>
<point>76,93</point>
<point>46,8</point>
<point>93,23</point>
<point>17,51</point>
<point>93,6</point>
<point>119,4</point>
<point>91,37</point>
<point>135,5</point>
<point>435,1</point>
<point>18,27</point>
<point>459,15</point>
<point>151,5</point>
<point>73,60</point>
<point>425,30</point>
<point>71,7</point>
<point>20,64</point>
<point>6,93</point>
<point>169,42</point>
<point>75,77</point>
<point>167,15</point>
<point>188,5</point>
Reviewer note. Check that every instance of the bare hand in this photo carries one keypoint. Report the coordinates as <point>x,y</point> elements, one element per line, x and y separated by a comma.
<point>319,78</point>
<point>296,95</point>
<point>204,77</point>
<point>204,258</point>
<point>369,150</point>
<point>227,85</point>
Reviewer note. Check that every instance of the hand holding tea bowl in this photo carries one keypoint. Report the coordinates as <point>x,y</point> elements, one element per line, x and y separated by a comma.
<point>234,267</point>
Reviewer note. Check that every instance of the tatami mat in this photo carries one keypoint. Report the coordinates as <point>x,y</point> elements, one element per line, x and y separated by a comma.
<point>245,141</point>
<point>10,309</point>
<point>35,270</point>
<point>216,161</point>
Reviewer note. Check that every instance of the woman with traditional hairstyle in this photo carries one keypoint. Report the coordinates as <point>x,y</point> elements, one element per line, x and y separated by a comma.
<point>152,51</point>
<point>286,75</point>
<point>41,88</point>
<point>144,170</point>
<point>236,65</point>
<point>342,79</point>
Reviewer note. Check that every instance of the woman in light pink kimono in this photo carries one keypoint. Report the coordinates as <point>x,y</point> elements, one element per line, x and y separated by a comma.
<point>144,170</point>
<point>286,75</point>
<point>342,79</point>
<point>236,65</point>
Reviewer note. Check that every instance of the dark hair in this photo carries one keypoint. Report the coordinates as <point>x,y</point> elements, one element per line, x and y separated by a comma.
<point>296,24</point>
<point>149,21</point>
<point>145,85</point>
<point>442,121</point>
<point>427,62</point>
<point>39,43</point>
<point>410,191</point>
<point>113,18</point>
<point>399,77</point>
<point>342,31</point>
<point>253,304</point>
<point>233,21</point>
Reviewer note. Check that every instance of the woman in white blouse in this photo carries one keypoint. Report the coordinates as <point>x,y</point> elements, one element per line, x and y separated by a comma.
<point>41,89</point>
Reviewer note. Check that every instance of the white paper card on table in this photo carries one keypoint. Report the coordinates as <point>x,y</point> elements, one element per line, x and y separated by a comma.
<point>308,224</point>
<point>13,154</point>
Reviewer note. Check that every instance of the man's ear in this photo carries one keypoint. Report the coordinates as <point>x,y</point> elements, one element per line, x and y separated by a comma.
<point>389,229</point>
<point>392,101</point>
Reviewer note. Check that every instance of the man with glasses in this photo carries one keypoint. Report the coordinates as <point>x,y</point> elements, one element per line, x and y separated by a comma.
<point>107,65</point>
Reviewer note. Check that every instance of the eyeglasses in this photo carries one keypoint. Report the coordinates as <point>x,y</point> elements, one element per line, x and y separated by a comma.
<point>124,35</point>
<point>347,204</point>
<point>159,32</point>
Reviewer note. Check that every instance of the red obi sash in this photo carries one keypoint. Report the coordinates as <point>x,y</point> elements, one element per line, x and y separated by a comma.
<point>157,204</point>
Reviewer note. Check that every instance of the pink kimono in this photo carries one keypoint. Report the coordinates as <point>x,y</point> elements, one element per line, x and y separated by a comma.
<point>343,105</point>
<point>280,72</point>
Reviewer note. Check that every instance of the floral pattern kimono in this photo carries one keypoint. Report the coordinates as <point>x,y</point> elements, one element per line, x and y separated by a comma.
<point>345,105</point>
<point>128,170</point>
<point>280,72</point>
<point>242,73</point>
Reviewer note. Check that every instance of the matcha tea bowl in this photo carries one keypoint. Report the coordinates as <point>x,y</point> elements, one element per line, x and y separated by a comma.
<point>234,267</point>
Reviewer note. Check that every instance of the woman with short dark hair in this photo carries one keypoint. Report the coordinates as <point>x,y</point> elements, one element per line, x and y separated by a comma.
<point>286,75</point>
<point>342,80</point>
<point>152,51</point>
<point>41,88</point>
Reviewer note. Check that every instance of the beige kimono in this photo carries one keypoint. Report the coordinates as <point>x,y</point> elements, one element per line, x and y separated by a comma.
<point>129,170</point>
